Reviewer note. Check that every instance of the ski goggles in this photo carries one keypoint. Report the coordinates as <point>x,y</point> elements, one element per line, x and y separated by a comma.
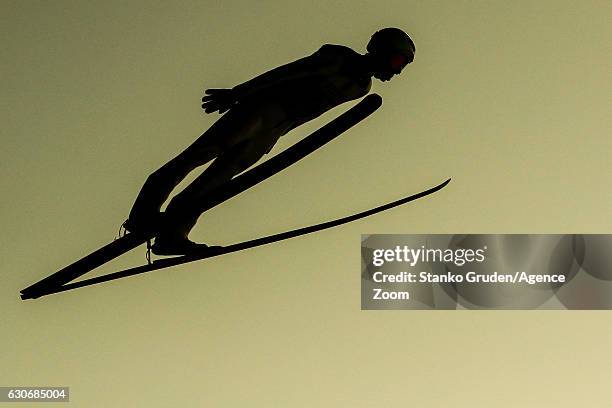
<point>399,61</point>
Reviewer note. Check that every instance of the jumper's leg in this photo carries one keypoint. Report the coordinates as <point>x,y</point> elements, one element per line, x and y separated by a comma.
<point>184,209</point>
<point>220,137</point>
<point>160,184</point>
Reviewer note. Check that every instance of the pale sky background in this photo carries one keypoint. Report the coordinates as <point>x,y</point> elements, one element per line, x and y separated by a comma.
<point>510,99</point>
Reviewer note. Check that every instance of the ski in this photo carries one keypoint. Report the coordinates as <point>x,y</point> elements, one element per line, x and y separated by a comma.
<point>246,180</point>
<point>179,260</point>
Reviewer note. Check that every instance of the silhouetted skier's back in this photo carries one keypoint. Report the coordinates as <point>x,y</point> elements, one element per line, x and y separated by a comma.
<point>259,112</point>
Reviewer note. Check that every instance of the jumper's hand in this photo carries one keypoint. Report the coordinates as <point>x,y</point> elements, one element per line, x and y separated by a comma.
<point>218,100</point>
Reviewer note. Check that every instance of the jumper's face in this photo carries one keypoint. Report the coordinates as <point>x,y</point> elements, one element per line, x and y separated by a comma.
<point>391,64</point>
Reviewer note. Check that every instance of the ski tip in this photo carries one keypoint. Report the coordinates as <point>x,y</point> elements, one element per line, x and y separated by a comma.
<point>374,99</point>
<point>441,185</point>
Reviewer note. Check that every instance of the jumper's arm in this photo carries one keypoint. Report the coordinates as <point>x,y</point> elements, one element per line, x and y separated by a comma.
<point>324,61</point>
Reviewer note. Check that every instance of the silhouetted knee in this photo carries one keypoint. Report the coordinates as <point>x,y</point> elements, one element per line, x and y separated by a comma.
<point>155,177</point>
<point>172,172</point>
<point>155,180</point>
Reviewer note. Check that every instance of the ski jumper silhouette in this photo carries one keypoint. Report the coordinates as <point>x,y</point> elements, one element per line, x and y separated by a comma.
<point>259,112</point>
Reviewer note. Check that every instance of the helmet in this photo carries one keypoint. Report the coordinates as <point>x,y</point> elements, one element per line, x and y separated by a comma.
<point>392,42</point>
